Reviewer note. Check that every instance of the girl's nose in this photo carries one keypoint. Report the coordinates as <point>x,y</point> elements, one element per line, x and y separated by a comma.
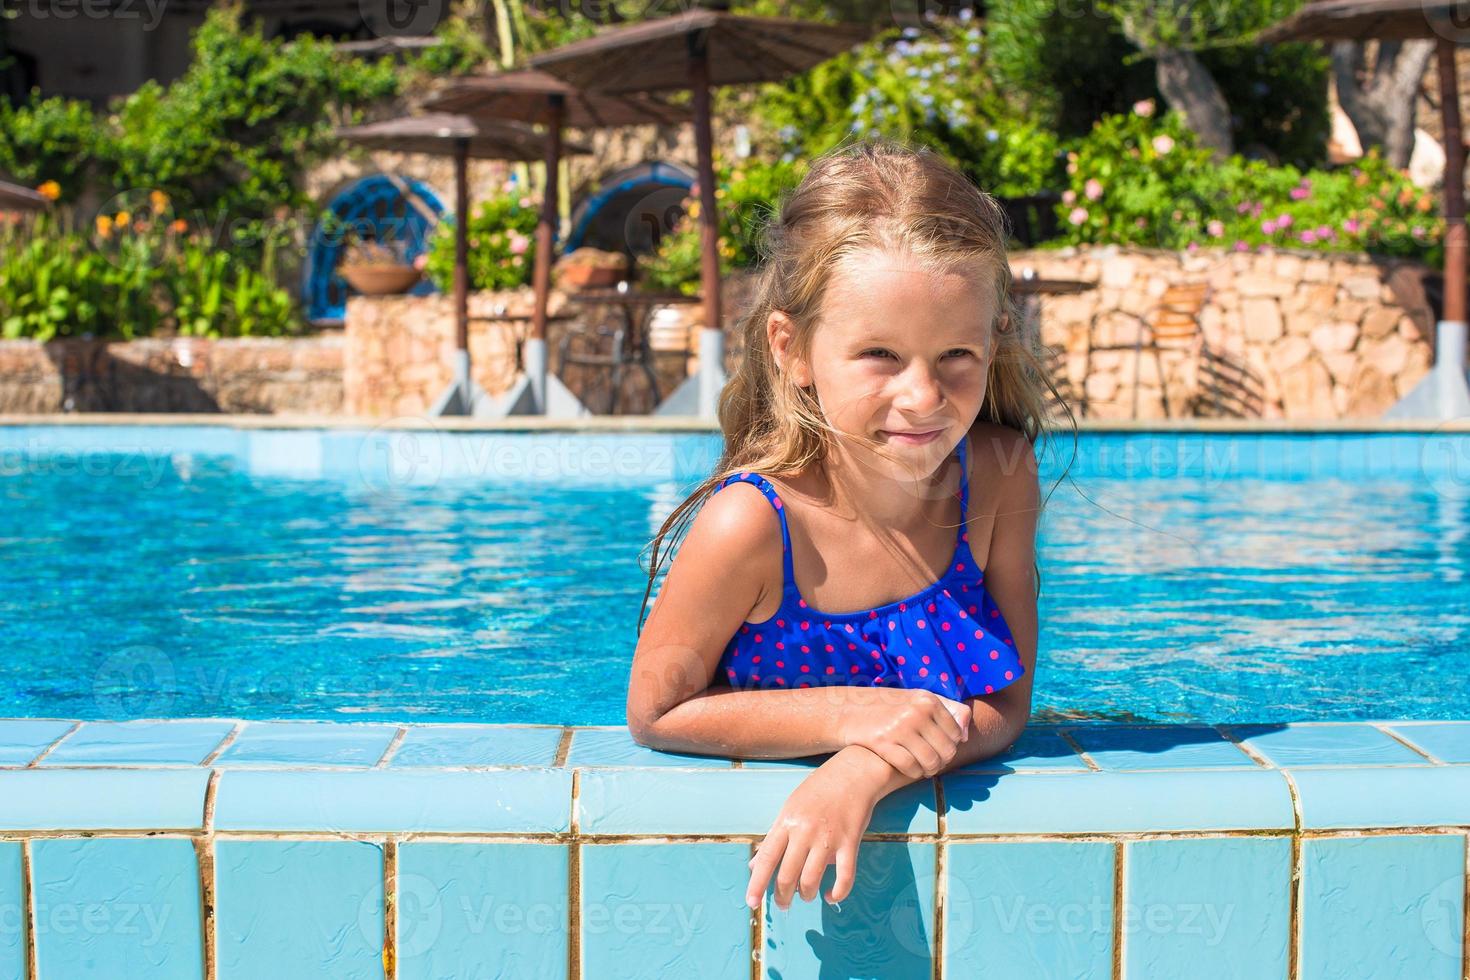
<point>919,391</point>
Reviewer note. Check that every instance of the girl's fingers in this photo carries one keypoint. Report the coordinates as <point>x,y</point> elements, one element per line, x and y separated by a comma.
<point>812,872</point>
<point>790,873</point>
<point>899,757</point>
<point>763,864</point>
<point>846,871</point>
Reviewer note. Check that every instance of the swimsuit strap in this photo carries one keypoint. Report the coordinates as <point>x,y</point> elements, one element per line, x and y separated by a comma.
<point>964,484</point>
<point>788,584</point>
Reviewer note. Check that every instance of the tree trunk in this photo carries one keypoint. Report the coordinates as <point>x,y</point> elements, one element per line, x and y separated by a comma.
<point>1381,106</point>
<point>1189,87</point>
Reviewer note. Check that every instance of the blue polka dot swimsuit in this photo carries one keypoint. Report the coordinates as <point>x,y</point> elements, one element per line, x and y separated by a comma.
<point>949,638</point>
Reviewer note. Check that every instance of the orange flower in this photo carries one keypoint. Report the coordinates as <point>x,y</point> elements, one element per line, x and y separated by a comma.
<point>104,226</point>
<point>50,190</point>
<point>121,219</point>
<point>179,225</point>
<point>159,200</point>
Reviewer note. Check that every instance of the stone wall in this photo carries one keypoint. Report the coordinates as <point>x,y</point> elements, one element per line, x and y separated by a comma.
<point>1300,335</point>
<point>301,375</point>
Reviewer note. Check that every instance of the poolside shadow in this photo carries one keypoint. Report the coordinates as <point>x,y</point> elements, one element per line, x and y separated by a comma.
<point>94,378</point>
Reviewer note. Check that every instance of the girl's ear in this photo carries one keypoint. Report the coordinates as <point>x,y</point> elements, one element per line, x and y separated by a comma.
<point>780,332</point>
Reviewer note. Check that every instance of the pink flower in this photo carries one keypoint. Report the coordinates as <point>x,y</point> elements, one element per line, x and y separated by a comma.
<point>518,243</point>
<point>1241,246</point>
<point>524,202</point>
<point>1069,196</point>
<point>1093,189</point>
<point>1144,107</point>
<point>1268,227</point>
<point>1192,247</point>
<point>1299,193</point>
<point>1324,231</point>
<point>1072,167</point>
<point>1283,221</point>
<point>1077,216</point>
<point>421,260</point>
<point>1350,226</point>
<point>1163,143</point>
<point>1215,228</point>
<point>1308,237</point>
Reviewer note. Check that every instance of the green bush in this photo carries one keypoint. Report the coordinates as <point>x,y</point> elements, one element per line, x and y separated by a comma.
<point>748,194</point>
<point>1141,179</point>
<point>132,275</point>
<point>502,243</point>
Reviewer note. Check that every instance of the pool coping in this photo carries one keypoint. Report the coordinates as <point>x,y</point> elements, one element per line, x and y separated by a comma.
<point>687,423</point>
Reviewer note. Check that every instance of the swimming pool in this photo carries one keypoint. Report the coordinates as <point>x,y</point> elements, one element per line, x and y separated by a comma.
<point>493,576</point>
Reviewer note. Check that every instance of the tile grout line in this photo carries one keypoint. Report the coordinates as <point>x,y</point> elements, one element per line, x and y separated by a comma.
<point>204,859</point>
<point>1119,897</point>
<point>1065,734</point>
<point>1294,914</point>
<point>28,908</point>
<point>563,749</point>
<point>757,925</point>
<point>48,749</point>
<point>574,872</point>
<point>1405,742</point>
<point>225,743</point>
<point>392,748</point>
<point>390,909</point>
<point>941,884</point>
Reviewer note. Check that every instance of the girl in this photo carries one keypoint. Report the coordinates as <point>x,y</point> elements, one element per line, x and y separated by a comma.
<point>867,588</point>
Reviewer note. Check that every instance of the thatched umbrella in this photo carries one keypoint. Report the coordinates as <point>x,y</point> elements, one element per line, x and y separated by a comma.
<point>532,96</point>
<point>462,137</point>
<point>696,50</point>
<point>14,197</point>
<point>1443,393</point>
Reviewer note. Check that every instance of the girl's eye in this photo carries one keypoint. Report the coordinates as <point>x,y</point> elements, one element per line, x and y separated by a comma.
<point>883,353</point>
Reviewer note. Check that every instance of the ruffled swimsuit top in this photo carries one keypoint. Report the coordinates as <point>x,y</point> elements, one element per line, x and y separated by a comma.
<point>949,638</point>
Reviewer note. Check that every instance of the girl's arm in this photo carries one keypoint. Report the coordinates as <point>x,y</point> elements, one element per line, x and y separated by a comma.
<point>713,584</point>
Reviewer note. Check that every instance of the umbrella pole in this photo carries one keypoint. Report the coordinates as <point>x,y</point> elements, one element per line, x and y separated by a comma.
<point>535,351</point>
<point>1443,393</point>
<point>712,337</point>
<point>462,276</point>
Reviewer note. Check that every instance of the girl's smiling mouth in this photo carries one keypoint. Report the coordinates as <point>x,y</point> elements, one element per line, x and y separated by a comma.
<point>912,438</point>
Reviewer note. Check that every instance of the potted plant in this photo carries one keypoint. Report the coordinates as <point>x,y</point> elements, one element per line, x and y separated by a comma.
<point>378,265</point>
<point>588,267</point>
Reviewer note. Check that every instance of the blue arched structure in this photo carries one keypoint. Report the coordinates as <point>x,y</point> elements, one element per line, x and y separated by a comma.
<point>632,209</point>
<point>375,204</point>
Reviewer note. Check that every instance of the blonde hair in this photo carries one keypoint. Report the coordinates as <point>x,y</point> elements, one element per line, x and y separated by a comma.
<point>874,194</point>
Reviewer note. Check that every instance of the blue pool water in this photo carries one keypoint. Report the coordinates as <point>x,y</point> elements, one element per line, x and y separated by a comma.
<point>159,572</point>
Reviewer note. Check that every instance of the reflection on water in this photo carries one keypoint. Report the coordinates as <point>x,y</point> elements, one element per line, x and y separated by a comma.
<point>208,591</point>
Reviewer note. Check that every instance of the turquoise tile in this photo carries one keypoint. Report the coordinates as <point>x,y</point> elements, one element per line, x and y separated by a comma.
<point>305,743</point>
<point>1172,747</point>
<point>807,762</point>
<point>1037,748</point>
<point>1383,906</point>
<point>615,747</point>
<point>22,739</point>
<point>139,743</point>
<point>1113,802</point>
<point>738,801</point>
<point>477,745</point>
<point>884,928</point>
<point>117,908</point>
<point>1326,744</point>
<point>1208,909</point>
<point>666,910</point>
<point>102,799</point>
<point>1447,741</point>
<point>12,922</point>
<point>1383,796</point>
<point>1028,909</point>
<point>445,801</point>
<point>456,917</point>
<point>298,910</point>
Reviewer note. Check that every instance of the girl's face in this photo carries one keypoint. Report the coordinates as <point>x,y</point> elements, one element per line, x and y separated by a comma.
<point>899,348</point>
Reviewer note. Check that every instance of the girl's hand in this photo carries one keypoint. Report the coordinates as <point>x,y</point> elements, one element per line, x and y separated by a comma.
<point>915,731</point>
<point>821,822</point>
